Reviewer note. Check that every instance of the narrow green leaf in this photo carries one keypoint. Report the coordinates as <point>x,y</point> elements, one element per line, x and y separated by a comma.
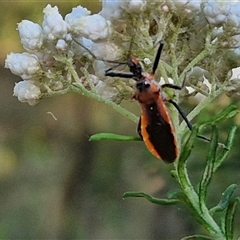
<point>229,217</point>
<point>113,136</point>
<point>208,171</point>
<point>196,237</point>
<point>187,146</point>
<point>226,151</point>
<point>181,173</point>
<point>228,112</point>
<point>226,196</point>
<point>177,195</point>
<point>151,198</point>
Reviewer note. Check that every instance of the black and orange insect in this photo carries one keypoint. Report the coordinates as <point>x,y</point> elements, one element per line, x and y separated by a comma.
<point>155,125</point>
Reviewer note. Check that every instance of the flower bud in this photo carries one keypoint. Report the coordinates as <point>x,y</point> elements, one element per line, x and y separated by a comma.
<point>27,91</point>
<point>107,51</point>
<point>61,45</point>
<point>133,5</point>
<point>73,18</point>
<point>108,92</point>
<point>54,26</point>
<point>93,27</point>
<point>22,64</point>
<point>31,35</point>
<point>216,12</point>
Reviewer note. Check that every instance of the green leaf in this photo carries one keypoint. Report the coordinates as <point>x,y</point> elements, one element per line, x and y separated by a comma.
<point>196,237</point>
<point>181,171</point>
<point>151,198</point>
<point>112,136</point>
<point>226,196</point>
<point>177,195</point>
<point>225,151</point>
<point>229,217</point>
<point>208,171</point>
<point>228,112</point>
<point>187,146</point>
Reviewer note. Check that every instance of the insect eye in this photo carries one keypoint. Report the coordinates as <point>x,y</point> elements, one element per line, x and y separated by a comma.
<point>142,85</point>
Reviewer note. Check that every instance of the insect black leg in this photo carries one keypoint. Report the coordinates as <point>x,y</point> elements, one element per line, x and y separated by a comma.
<point>119,74</point>
<point>184,117</point>
<point>157,58</point>
<point>169,85</point>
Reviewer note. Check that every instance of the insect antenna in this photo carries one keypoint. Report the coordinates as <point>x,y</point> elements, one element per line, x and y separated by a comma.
<point>157,57</point>
<point>96,58</point>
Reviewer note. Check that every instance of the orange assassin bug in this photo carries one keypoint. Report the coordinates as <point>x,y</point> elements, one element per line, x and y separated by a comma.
<point>155,125</point>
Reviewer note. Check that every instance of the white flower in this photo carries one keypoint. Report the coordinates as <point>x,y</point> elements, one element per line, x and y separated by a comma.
<point>73,18</point>
<point>107,92</point>
<point>54,26</point>
<point>107,51</point>
<point>189,6</point>
<point>99,69</point>
<point>22,64</point>
<point>111,9</point>
<point>31,35</point>
<point>79,50</point>
<point>27,91</point>
<point>61,45</point>
<point>237,52</point>
<point>233,20</point>
<point>45,58</point>
<point>216,12</point>
<point>133,5</point>
<point>94,27</point>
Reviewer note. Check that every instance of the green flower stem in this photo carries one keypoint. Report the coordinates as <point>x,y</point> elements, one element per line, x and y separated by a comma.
<point>79,88</point>
<point>202,214</point>
<point>192,200</point>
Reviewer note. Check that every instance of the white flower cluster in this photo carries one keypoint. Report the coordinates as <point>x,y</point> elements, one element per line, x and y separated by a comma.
<point>200,35</point>
<point>43,67</point>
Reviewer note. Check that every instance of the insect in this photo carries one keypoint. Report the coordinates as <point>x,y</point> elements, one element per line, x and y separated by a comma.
<point>155,125</point>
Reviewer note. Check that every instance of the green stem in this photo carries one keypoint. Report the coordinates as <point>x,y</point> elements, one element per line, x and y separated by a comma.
<point>201,214</point>
<point>79,88</point>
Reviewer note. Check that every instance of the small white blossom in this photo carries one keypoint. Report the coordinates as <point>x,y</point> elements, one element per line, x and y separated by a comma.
<point>73,18</point>
<point>31,35</point>
<point>216,12</point>
<point>189,6</point>
<point>133,5</point>
<point>27,91</point>
<point>165,8</point>
<point>233,90</point>
<point>22,64</point>
<point>54,26</point>
<point>55,85</point>
<point>79,50</point>
<point>61,45</point>
<point>45,58</point>
<point>94,79</point>
<point>99,68</point>
<point>111,9</point>
<point>107,92</point>
<point>94,27</point>
<point>147,61</point>
<point>233,20</point>
<point>107,51</point>
<point>91,80</point>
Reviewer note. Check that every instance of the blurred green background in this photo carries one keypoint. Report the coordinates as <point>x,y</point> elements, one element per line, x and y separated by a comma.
<point>55,184</point>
